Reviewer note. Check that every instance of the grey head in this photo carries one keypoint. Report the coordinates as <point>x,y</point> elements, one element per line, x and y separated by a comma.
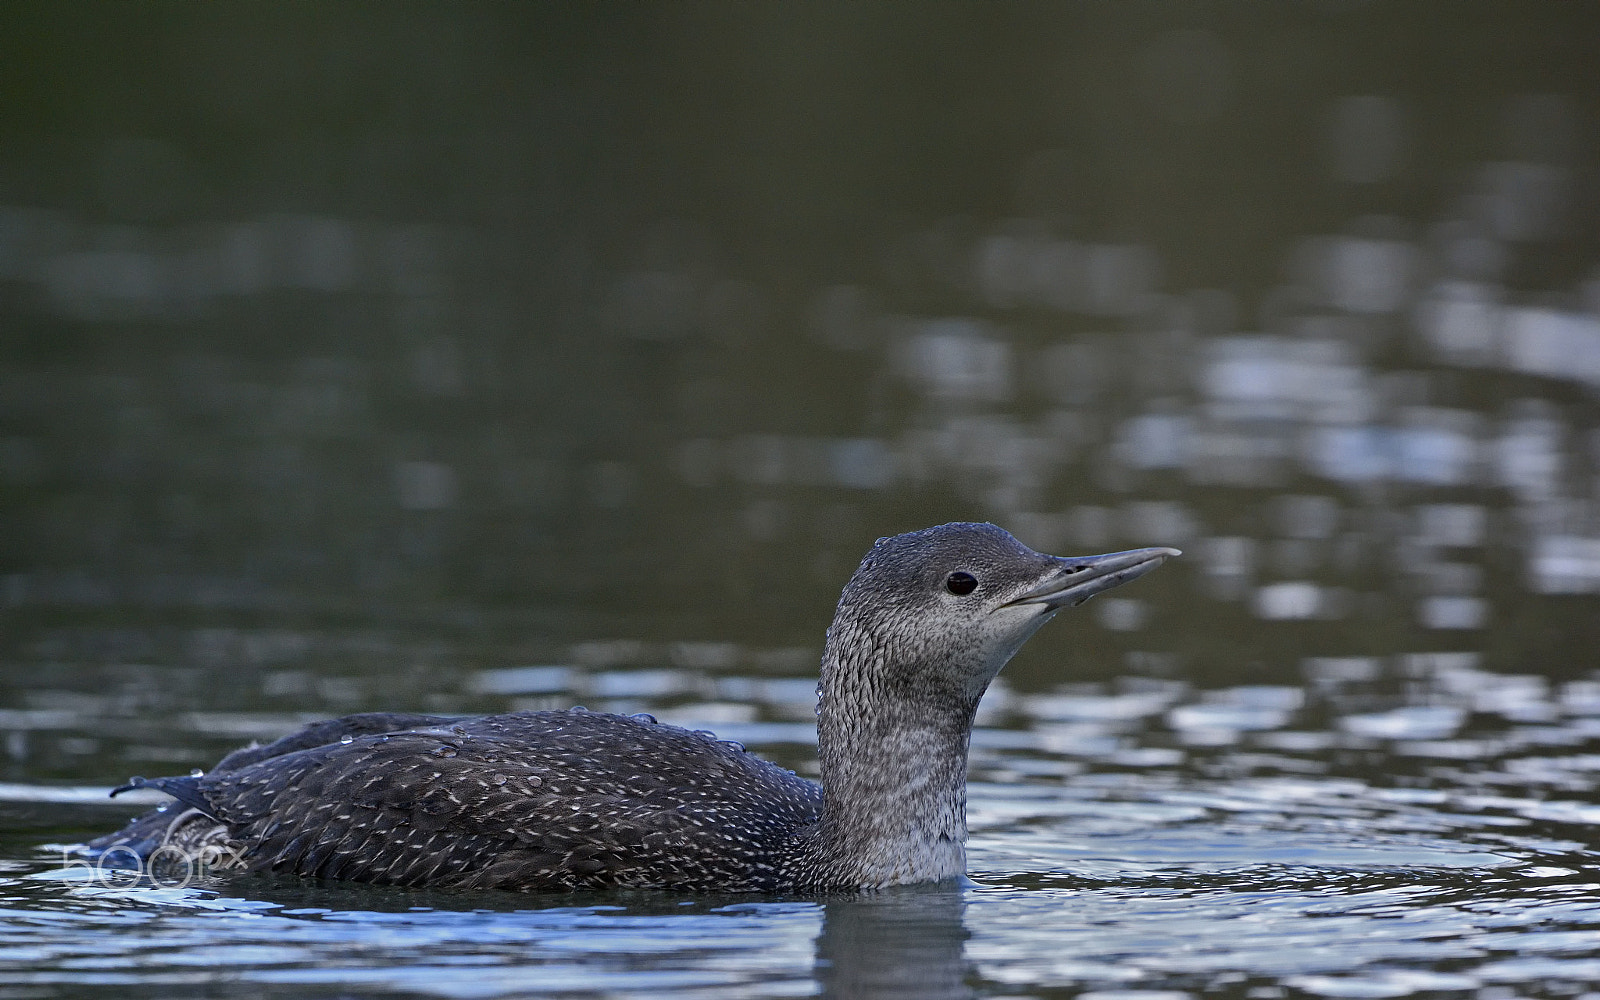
<point>922,628</point>
<point>944,608</point>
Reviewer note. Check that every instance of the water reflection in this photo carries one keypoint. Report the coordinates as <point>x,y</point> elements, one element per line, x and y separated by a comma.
<point>907,942</point>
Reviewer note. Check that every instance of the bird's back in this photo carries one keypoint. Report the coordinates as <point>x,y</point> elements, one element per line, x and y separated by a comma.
<point>531,800</point>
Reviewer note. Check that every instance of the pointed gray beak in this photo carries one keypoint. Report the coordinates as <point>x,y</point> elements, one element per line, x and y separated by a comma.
<point>1075,579</point>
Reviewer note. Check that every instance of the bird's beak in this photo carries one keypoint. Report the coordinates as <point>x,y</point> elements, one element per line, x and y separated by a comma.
<point>1075,579</point>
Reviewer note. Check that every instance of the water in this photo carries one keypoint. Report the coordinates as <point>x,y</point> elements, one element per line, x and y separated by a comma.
<point>1253,841</point>
<point>465,360</point>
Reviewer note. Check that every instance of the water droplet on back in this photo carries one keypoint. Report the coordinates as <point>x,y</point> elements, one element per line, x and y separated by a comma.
<point>347,739</point>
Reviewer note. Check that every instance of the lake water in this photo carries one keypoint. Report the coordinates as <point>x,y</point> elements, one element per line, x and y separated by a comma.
<point>481,359</point>
<point>1323,839</point>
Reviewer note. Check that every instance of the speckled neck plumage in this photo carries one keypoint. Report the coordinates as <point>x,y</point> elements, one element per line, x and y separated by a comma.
<point>893,750</point>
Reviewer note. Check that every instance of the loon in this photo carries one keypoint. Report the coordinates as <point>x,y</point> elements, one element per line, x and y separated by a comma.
<point>573,799</point>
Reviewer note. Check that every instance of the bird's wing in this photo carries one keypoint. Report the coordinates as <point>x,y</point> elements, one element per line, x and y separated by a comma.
<point>327,731</point>
<point>148,831</point>
<point>547,799</point>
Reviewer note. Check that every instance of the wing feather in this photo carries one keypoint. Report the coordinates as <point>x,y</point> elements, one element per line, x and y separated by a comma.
<point>552,799</point>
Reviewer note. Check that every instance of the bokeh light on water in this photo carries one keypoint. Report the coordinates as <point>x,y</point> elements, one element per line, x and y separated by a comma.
<point>480,359</point>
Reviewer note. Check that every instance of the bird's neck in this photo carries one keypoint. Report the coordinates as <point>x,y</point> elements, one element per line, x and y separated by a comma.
<point>894,769</point>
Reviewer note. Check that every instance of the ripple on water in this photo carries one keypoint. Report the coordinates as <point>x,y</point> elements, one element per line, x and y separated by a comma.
<point>1127,839</point>
<point>83,938</point>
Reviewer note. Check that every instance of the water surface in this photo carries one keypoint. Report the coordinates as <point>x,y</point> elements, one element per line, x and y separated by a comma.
<point>1134,835</point>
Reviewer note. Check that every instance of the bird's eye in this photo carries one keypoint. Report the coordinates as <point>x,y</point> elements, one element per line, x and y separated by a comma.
<point>960,583</point>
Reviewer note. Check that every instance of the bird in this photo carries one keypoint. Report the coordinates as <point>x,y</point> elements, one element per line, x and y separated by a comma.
<point>573,799</point>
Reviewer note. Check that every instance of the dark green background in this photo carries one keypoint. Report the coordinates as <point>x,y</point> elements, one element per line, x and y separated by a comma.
<point>579,249</point>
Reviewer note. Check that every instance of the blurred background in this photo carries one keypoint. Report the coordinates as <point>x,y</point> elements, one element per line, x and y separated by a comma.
<point>470,357</point>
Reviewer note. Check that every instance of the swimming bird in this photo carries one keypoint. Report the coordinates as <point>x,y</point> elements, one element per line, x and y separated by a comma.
<point>578,799</point>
